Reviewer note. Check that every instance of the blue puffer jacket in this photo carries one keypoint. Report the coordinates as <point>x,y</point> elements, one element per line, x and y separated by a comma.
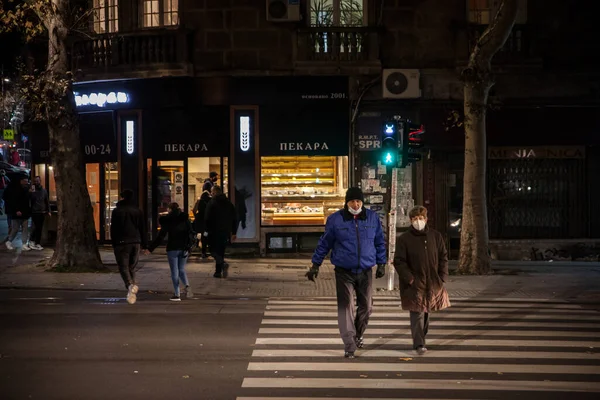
<point>356,244</point>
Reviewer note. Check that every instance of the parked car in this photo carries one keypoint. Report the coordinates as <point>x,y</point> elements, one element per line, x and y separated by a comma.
<point>14,173</point>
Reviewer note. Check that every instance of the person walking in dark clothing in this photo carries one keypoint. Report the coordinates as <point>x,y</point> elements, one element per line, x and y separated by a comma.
<point>17,198</point>
<point>40,207</point>
<point>210,182</point>
<point>178,228</point>
<point>355,238</point>
<point>199,225</point>
<point>221,228</point>
<point>421,260</point>
<point>128,236</point>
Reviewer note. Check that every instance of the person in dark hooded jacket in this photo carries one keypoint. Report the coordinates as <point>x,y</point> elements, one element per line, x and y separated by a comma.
<point>128,234</point>
<point>199,212</point>
<point>221,227</point>
<point>177,226</point>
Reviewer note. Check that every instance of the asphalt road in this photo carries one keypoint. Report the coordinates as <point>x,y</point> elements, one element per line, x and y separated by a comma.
<point>92,345</point>
<point>88,345</point>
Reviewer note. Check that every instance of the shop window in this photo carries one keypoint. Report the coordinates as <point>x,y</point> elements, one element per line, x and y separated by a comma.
<point>105,16</point>
<point>51,185</point>
<point>157,13</point>
<point>92,177</point>
<point>169,176</point>
<point>302,190</point>
<point>337,13</point>
<point>199,170</point>
<point>111,194</point>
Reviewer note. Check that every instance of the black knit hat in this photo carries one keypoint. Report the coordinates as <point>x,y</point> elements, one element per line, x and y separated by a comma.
<point>354,193</point>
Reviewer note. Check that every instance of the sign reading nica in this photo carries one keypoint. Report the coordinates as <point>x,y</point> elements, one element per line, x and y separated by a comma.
<point>369,142</point>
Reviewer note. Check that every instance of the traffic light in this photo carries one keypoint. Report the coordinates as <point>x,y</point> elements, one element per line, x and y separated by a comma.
<point>412,142</point>
<point>389,143</point>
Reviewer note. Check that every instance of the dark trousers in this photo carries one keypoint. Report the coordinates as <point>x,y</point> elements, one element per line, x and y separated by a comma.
<point>353,318</point>
<point>37,220</point>
<point>218,244</point>
<point>204,244</point>
<point>127,256</point>
<point>419,325</point>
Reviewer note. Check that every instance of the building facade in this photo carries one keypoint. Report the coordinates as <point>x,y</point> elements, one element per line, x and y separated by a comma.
<point>280,98</point>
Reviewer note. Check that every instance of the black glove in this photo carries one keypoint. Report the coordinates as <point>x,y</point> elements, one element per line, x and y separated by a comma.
<point>313,273</point>
<point>380,271</point>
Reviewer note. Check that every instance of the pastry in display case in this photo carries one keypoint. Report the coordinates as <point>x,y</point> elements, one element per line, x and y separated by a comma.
<point>302,190</point>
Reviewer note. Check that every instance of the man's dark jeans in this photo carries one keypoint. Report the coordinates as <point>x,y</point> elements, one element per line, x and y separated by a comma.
<point>218,244</point>
<point>37,220</point>
<point>127,256</point>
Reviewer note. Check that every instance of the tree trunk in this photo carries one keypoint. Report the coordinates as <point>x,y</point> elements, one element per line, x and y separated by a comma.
<point>478,80</point>
<point>76,245</point>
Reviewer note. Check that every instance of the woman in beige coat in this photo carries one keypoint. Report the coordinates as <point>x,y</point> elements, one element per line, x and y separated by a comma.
<point>421,261</point>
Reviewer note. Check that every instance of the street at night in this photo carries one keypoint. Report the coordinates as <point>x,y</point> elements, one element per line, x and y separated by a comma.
<point>84,344</point>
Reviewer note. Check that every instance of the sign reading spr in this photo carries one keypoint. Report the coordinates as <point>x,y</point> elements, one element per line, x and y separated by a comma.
<point>369,142</point>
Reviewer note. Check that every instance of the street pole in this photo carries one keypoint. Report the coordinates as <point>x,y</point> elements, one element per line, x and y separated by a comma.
<point>391,271</point>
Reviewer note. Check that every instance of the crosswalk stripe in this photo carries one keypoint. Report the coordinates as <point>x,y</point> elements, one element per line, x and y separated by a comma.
<point>379,353</point>
<point>300,338</point>
<point>436,322</point>
<point>420,367</point>
<point>406,331</point>
<point>384,300</point>
<point>333,398</point>
<point>452,309</point>
<point>454,302</point>
<point>436,342</point>
<point>404,314</point>
<point>429,384</point>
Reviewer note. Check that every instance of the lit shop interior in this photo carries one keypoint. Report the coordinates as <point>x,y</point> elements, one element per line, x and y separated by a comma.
<point>302,190</point>
<point>181,181</point>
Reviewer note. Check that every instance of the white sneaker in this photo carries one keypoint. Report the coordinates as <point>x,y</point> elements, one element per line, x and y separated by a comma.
<point>37,247</point>
<point>9,246</point>
<point>25,247</point>
<point>131,297</point>
<point>133,288</point>
<point>188,292</point>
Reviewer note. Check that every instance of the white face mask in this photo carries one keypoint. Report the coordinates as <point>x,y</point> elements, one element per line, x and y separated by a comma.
<point>419,224</point>
<point>353,211</point>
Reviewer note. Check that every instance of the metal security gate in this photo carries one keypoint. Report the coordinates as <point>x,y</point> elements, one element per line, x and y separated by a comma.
<point>536,198</point>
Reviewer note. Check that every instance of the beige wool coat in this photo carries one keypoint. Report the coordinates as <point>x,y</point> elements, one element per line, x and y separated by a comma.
<point>421,261</point>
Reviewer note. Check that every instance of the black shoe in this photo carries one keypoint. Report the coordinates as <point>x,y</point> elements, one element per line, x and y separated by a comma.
<point>225,270</point>
<point>216,275</point>
<point>360,342</point>
<point>349,354</point>
<point>175,298</point>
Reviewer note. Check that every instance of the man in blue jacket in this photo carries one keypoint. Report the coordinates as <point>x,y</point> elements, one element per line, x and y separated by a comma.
<point>355,238</point>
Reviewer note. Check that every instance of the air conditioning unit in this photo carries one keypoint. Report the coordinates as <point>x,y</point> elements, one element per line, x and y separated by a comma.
<point>283,10</point>
<point>401,84</point>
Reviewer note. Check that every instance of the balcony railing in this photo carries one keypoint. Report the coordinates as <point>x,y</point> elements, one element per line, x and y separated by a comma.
<point>338,44</point>
<point>139,50</point>
<point>516,49</point>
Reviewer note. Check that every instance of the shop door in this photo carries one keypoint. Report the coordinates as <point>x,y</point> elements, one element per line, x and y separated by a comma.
<point>170,186</point>
<point>93,179</point>
<point>111,194</point>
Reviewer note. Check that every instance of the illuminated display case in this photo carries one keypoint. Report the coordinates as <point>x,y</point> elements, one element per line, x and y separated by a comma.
<point>302,190</point>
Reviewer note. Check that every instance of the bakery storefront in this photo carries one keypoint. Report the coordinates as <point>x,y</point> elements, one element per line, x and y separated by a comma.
<point>303,172</point>
<point>98,135</point>
<point>184,145</point>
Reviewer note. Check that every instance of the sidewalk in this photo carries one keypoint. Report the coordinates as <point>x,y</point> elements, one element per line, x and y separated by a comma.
<point>268,277</point>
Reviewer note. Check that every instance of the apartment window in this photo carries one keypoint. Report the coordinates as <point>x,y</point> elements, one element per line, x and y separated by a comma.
<point>106,16</point>
<point>156,13</point>
<point>482,12</point>
<point>337,12</point>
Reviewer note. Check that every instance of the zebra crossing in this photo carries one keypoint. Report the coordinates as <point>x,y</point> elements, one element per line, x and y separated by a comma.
<point>479,349</point>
